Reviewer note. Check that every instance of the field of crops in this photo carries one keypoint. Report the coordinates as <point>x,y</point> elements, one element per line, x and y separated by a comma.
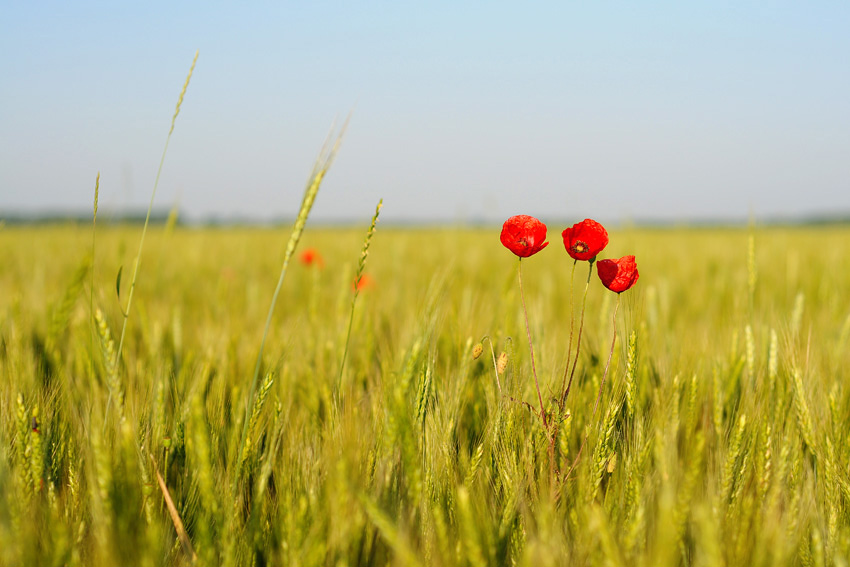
<point>721,439</point>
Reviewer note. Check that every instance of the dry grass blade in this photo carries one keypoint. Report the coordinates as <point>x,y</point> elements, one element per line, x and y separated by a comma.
<point>175,516</point>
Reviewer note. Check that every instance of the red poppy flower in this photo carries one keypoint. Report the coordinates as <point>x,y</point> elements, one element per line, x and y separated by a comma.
<point>365,281</point>
<point>585,239</point>
<point>524,235</point>
<point>311,256</point>
<point>618,275</point>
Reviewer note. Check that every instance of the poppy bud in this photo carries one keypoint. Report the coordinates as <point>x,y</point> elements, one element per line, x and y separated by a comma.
<point>502,363</point>
<point>477,350</point>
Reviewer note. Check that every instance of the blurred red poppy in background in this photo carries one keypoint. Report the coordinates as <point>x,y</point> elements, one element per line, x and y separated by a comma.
<point>618,275</point>
<point>363,282</point>
<point>524,235</point>
<point>311,256</point>
<point>585,239</point>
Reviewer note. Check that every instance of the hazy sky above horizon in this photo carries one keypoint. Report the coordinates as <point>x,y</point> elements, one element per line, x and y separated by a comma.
<point>461,111</point>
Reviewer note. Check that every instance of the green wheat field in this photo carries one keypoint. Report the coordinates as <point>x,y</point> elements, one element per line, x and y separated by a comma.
<point>721,439</point>
<point>173,395</point>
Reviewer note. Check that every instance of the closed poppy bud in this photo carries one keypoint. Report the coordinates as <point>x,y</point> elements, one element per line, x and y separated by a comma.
<point>585,239</point>
<point>502,363</point>
<point>524,235</point>
<point>477,350</point>
<point>618,275</point>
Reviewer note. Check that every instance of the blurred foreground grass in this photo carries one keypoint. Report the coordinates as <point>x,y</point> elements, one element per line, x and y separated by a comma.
<point>724,443</point>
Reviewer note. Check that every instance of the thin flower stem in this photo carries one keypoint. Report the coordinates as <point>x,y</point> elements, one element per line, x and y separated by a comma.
<point>566,392</point>
<point>610,354</point>
<point>553,437</point>
<point>601,386</point>
<point>572,326</point>
<point>531,347</point>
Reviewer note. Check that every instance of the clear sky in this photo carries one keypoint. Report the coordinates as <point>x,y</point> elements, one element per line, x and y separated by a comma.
<point>462,110</point>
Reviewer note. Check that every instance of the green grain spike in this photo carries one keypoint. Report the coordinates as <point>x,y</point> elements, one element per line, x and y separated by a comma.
<point>801,407</point>
<point>320,169</point>
<point>110,361</point>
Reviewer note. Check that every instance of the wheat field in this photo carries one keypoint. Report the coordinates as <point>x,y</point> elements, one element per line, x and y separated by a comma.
<point>721,439</point>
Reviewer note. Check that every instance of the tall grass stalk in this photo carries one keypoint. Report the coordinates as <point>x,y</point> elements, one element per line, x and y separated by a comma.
<point>138,259</point>
<point>320,169</point>
<point>361,266</point>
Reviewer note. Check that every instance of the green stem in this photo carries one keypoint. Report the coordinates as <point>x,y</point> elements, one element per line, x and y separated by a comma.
<point>566,392</point>
<point>599,395</point>
<point>531,347</point>
<point>572,326</point>
<point>320,168</point>
<point>126,311</point>
<point>610,354</point>
<point>361,266</point>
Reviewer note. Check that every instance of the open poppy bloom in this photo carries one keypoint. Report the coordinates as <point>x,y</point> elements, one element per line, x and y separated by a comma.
<point>524,235</point>
<point>618,275</point>
<point>585,239</point>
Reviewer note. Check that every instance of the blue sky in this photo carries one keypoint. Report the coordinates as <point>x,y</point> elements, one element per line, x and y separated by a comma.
<point>462,111</point>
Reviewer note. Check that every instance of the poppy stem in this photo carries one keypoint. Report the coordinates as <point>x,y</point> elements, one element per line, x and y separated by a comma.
<point>601,386</point>
<point>566,392</point>
<point>610,354</point>
<point>572,325</point>
<point>531,347</point>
